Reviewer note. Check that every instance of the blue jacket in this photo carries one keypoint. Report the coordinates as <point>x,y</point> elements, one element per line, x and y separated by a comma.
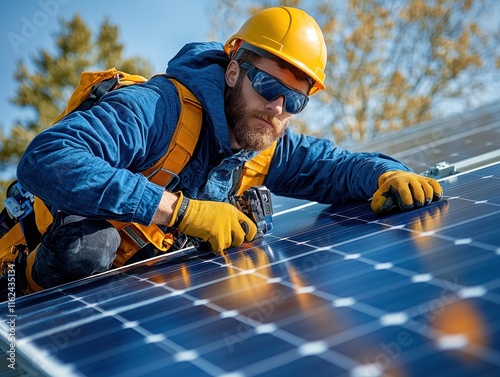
<point>88,163</point>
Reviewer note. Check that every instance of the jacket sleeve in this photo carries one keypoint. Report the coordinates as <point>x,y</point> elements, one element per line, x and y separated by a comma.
<point>315,169</point>
<point>89,162</point>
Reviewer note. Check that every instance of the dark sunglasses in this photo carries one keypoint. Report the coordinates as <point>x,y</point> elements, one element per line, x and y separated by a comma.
<point>270,88</point>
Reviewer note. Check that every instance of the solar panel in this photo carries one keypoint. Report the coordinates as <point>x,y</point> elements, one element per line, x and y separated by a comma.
<point>332,290</point>
<point>472,137</point>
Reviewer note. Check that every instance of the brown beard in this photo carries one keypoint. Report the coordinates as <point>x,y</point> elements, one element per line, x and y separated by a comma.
<point>256,137</point>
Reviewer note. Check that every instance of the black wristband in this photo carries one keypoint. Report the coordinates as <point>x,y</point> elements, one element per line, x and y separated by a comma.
<point>182,210</point>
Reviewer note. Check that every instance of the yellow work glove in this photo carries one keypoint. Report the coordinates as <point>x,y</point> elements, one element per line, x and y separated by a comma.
<point>404,190</point>
<point>220,224</point>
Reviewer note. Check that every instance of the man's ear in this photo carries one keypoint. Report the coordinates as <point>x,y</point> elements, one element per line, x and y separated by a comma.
<point>232,73</point>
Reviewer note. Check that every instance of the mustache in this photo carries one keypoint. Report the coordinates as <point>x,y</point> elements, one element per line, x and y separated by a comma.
<point>268,117</point>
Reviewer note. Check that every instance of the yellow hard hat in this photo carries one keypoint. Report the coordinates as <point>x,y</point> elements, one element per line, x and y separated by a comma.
<point>290,34</point>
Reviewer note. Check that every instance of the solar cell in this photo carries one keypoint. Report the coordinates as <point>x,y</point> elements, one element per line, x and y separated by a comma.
<point>471,139</point>
<point>333,290</point>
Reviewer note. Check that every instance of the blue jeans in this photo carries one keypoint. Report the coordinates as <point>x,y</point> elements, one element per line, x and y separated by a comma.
<point>74,247</point>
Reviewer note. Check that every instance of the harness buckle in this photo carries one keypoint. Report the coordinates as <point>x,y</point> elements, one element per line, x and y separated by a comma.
<point>172,182</point>
<point>20,204</point>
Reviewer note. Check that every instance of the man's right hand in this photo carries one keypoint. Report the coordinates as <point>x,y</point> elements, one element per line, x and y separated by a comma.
<point>220,224</point>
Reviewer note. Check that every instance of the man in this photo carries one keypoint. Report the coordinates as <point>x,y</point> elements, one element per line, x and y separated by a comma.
<point>87,166</point>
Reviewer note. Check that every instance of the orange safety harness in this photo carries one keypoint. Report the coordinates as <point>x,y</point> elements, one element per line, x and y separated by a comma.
<point>92,86</point>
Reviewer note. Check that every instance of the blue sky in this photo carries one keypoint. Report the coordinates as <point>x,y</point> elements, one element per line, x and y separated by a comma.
<point>154,29</point>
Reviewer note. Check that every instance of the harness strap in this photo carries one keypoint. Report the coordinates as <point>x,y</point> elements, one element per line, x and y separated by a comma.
<point>6,222</point>
<point>30,230</point>
<point>97,92</point>
<point>183,142</point>
<point>93,85</point>
<point>136,236</point>
<point>255,171</point>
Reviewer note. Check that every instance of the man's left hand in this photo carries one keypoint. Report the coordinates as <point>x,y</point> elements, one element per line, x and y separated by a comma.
<point>404,190</point>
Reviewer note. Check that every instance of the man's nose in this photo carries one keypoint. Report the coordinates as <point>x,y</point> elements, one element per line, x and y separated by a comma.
<point>277,105</point>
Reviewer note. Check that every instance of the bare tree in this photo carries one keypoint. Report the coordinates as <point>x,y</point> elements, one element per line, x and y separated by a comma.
<point>391,63</point>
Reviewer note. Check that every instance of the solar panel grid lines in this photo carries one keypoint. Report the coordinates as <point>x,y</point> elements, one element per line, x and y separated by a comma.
<point>439,139</point>
<point>465,140</point>
<point>435,129</point>
<point>178,353</point>
<point>344,292</point>
<point>119,318</point>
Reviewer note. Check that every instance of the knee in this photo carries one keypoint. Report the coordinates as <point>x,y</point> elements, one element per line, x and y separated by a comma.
<point>78,247</point>
<point>96,248</point>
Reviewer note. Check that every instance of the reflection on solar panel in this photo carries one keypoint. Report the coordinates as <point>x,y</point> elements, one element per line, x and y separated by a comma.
<point>470,140</point>
<point>333,290</point>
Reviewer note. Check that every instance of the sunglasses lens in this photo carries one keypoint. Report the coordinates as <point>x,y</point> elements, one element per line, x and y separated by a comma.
<point>295,102</point>
<point>270,88</point>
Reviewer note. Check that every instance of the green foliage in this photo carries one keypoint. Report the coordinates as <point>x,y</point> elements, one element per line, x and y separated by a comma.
<point>46,88</point>
<point>391,64</point>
